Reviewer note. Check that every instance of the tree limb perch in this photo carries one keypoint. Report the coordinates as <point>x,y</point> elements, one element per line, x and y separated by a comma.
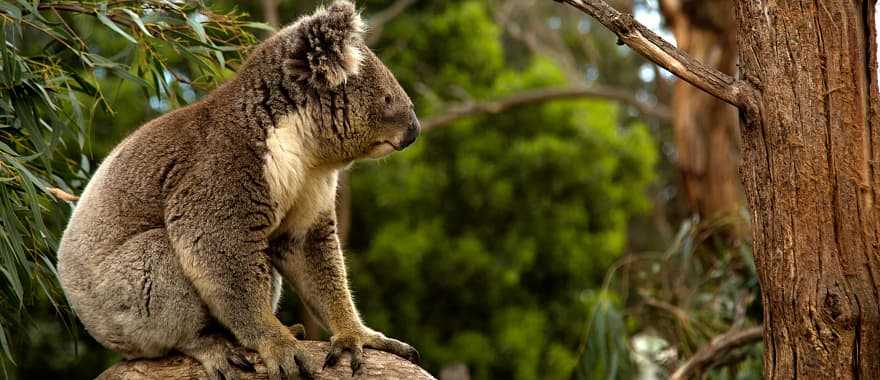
<point>647,43</point>
<point>379,365</point>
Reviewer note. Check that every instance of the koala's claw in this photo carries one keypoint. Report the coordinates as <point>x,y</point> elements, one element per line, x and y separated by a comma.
<point>305,372</point>
<point>395,347</point>
<point>298,331</point>
<point>284,360</point>
<point>352,344</point>
<point>237,358</point>
<point>356,364</point>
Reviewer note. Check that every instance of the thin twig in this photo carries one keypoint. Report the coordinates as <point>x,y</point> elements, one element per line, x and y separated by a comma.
<point>647,43</point>
<point>541,96</point>
<point>63,195</point>
<point>713,353</point>
<point>84,10</point>
<point>673,310</point>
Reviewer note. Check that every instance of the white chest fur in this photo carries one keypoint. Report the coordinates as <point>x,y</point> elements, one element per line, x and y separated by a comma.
<point>299,191</point>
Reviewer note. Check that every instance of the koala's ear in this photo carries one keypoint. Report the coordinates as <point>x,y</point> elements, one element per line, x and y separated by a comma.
<point>327,47</point>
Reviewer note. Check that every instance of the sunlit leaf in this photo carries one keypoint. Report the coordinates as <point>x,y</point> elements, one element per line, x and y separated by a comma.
<point>112,25</point>
<point>137,20</point>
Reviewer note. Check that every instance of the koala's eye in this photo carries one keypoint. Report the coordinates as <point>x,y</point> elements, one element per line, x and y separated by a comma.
<point>387,99</point>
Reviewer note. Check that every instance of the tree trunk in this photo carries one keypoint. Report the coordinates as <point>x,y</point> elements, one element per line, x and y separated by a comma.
<point>810,156</point>
<point>379,365</point>
<point>704,126</point>
<point>811,145</point>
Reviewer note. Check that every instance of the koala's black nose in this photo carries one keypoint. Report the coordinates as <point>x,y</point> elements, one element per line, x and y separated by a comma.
<point>412,132</point>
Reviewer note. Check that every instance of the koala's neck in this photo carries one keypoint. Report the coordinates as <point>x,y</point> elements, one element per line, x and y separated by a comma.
<point>296,182</point>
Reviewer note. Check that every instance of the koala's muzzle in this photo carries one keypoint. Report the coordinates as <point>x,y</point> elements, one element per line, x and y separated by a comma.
<point>412,132</point>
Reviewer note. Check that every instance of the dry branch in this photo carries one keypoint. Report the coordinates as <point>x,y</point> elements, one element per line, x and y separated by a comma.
<point>379,365</point>
<point>541,96</point>
<point>713,353</point>
<point>63,195</point>
<point>647,43</point>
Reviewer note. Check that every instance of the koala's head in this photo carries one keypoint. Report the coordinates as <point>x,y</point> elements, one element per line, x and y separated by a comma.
<point>358,108</point>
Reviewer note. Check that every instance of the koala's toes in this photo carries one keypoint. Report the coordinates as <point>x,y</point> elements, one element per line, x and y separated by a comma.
<point>229,373</point>
<point>357,360</point>
<point>306,370</point>
<point>294,367</point>
<point>237,358</point>
<point>221,371</point>
<point>332,356</point>
<point>346,343</point>
<point>277,371</point>
<point>298,331</point>
<point>412,355</point>
<point>395,347</point>
<point>297,371</point>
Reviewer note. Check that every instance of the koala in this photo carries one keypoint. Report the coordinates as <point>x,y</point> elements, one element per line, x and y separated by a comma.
<point>182,238</point>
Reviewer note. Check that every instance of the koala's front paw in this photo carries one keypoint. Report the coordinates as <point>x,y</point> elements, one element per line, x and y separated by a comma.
<point>394,346</point>
<point>284,359</point>
<point>354,343</point>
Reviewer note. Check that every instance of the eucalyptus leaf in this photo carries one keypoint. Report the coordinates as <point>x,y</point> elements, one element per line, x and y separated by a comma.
<point>112,25</point>
<point>137,20</point>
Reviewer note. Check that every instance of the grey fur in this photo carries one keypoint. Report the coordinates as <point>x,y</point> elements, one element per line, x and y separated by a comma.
<point>180,240</point>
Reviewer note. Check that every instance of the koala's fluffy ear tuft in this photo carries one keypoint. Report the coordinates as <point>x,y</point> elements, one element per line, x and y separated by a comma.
<point>328,45</point>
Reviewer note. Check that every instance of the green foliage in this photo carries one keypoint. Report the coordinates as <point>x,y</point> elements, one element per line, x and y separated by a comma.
<point>477,243</point>
<point>606,351</point>
<point>701,285</point>
<point>58,59</point>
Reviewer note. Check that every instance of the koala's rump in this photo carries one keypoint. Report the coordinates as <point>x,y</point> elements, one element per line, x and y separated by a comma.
<point>115,261</point>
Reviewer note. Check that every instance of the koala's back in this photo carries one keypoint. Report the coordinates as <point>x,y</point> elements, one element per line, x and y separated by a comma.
<point>125,195</point>
<point>125,199</point>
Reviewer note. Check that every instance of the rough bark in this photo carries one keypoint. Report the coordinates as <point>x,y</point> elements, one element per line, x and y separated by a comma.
<point>810,176</point>
<point>705,128</point>
<point>379,365</point>
<point>811,146</point>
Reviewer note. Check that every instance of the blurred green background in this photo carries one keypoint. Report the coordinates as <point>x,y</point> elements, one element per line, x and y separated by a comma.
<point>523,244</point>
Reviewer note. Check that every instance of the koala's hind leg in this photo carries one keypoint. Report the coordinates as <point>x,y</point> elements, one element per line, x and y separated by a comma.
<point>135,300</point>
<point>141,304</point>
<point>165,313</point>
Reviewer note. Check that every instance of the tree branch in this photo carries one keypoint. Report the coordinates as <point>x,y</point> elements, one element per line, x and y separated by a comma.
<point>647,43</point>
<point>63,195</point>
<point>713,353</point>
<point>378,20</point>
<point>270,13</point>
<point>379,365</point>
<point>541,96</point>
